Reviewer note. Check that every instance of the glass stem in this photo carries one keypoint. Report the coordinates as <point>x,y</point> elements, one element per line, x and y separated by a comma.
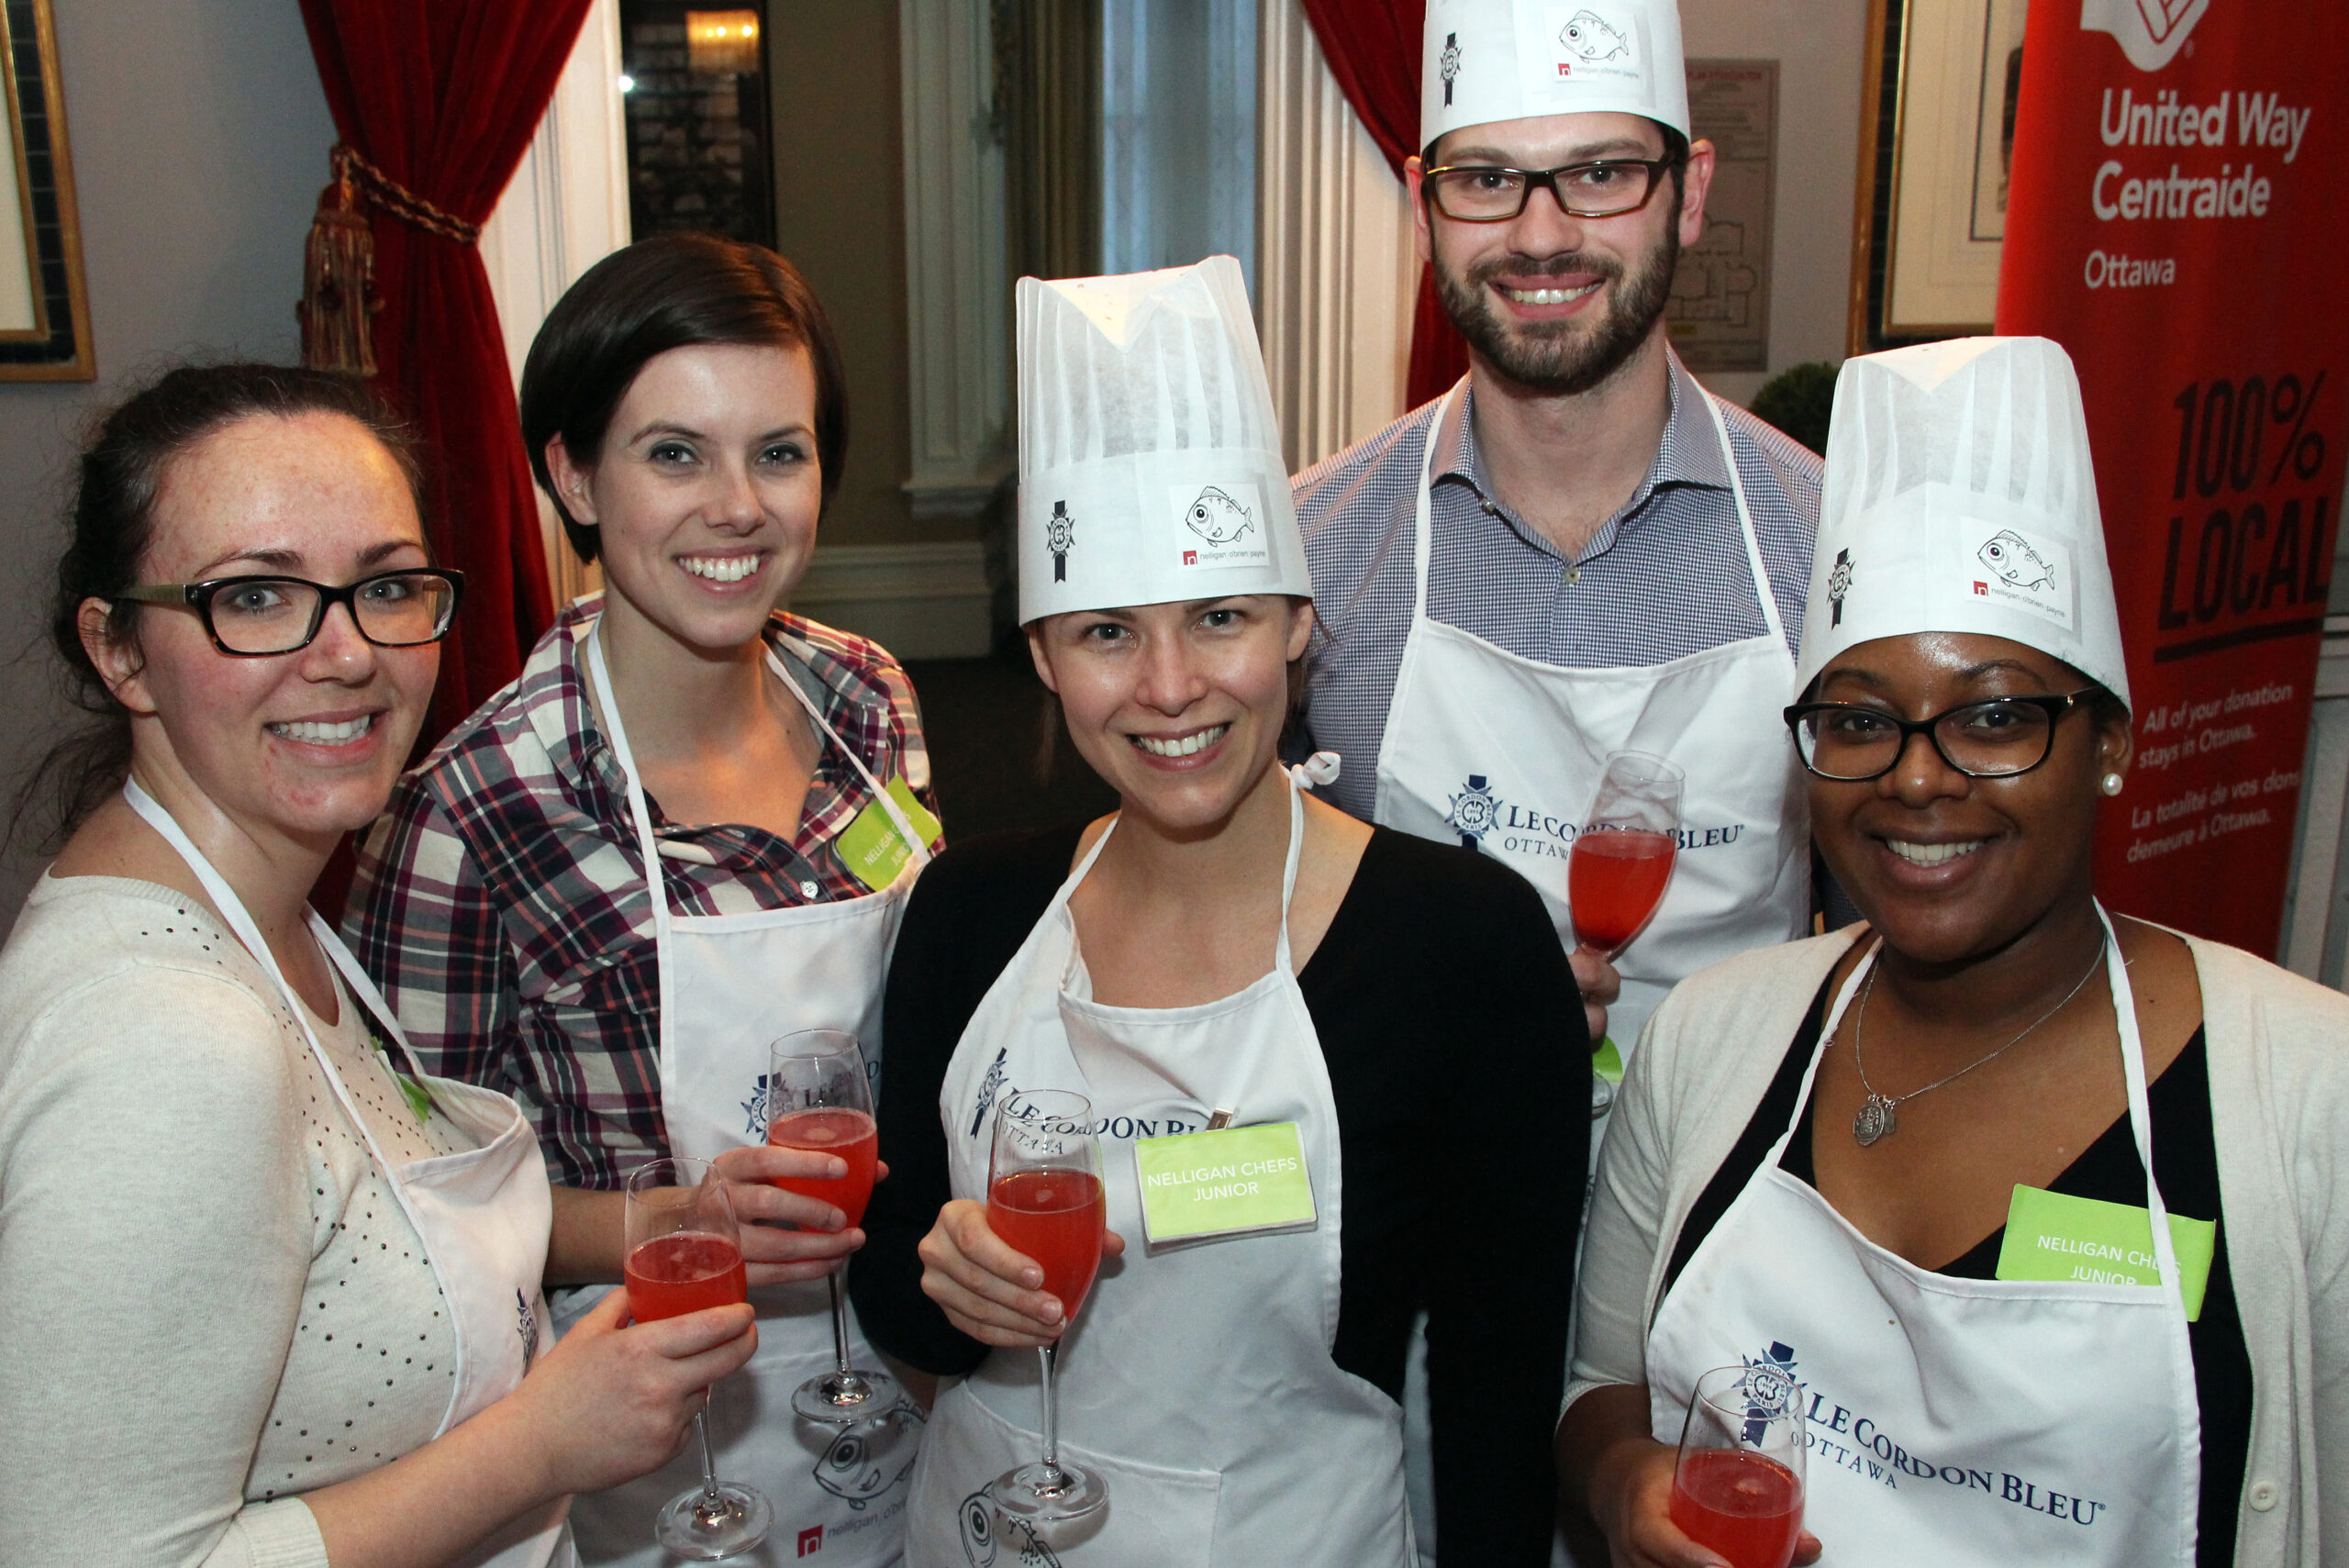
<point>1052,1407</point>
<point>708,1466</point>
<point>840,1320</point>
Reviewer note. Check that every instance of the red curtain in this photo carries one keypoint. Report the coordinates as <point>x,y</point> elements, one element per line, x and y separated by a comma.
<point>442,97</point>
<point>1373,46</point>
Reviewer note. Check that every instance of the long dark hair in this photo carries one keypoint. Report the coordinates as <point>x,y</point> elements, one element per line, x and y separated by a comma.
<point>125,456</point>
<point>671,291</point>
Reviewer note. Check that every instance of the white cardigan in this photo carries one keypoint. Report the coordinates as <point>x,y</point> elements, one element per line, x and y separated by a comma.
<point>2279,1099</point>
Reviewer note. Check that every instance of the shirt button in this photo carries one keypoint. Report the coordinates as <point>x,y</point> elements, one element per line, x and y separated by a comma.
<point>2263,1494</point>
<point>809,890</point>
<point>1491,510</point>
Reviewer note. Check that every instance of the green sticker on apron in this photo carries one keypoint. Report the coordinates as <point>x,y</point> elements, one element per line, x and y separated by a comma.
<point>1241,1180</point>
<point>2082,1240</point>
<point>871,846</point>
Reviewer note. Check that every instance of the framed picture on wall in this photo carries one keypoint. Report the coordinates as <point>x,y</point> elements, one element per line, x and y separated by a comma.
<point>44,306</point>
<point>1936,152</point>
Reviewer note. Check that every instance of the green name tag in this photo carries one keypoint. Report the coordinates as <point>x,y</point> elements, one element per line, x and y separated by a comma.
<point>1231,1182</point>
<point>1606,1060</point>
<point>871,846</point>
<point>2052,1237</point>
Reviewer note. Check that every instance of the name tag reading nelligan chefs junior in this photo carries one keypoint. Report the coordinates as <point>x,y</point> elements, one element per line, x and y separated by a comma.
<point>1237,1181</point>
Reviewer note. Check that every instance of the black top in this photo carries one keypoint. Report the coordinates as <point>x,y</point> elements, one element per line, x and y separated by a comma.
<point>2186,1153</point>
<point>1460,1065</point>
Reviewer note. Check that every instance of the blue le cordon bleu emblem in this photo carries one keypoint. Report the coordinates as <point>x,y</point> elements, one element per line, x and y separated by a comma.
<point>1475,812</point>
<point>1449,62</point>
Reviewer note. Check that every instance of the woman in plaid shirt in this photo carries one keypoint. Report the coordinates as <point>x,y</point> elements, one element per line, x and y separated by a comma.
<point>684,407</point>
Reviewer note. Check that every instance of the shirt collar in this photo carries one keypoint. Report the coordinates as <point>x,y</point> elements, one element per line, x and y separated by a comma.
<point>555,685</point>
<point>1690,453</point>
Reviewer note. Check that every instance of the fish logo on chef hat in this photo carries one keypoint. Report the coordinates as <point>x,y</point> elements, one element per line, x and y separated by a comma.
<point>986,1534</point>
<point>2010,556</point>
<point>1587,35</point>
<point>1215,518</point>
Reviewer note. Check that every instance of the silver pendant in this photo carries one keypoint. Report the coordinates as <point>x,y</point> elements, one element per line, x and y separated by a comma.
<point>1875,1120</point>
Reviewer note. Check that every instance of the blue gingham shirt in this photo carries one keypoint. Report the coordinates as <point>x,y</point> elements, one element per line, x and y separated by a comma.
<point>1666,577</point>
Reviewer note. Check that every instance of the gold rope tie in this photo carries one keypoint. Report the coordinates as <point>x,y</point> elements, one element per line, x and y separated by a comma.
<point>388,193</point>
<point>339,302</point>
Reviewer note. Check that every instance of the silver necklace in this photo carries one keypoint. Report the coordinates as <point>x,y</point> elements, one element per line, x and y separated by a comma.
<point>1876,1118</point>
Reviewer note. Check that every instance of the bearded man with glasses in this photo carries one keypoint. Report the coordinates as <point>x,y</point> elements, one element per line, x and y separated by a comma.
<point>1576,551</point>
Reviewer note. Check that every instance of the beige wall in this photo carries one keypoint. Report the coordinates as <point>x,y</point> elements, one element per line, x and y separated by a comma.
<point>840,215</point>
<point>199,138</point>
<point>1818,45</point>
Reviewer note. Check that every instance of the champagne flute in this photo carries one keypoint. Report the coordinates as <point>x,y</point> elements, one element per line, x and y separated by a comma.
<point>1737,1485</point>
<point>1044,1198</point>
<point>820,1098</point>
<point>1621,860</point>
<point>684,1253</point>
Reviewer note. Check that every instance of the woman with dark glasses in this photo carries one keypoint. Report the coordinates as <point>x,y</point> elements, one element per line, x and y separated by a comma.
<point>2043,1206</point>
<point>271,1291</point>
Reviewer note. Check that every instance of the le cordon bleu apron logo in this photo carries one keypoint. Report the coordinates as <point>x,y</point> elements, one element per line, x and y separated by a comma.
<point>2150,32</point>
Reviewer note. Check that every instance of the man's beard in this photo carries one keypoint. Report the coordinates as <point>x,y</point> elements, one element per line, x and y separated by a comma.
<point>1562,358</point>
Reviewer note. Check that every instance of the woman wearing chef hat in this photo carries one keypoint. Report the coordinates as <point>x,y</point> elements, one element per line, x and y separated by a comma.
<point>1923,1164</point>
<point>1224,944</point>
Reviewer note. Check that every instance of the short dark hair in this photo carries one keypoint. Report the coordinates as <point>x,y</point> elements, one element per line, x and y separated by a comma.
<point>125,456</point>
<point>669,292</point>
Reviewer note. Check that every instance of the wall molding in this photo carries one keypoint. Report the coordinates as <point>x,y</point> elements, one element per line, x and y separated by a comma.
<point>919,600</point>
<point>958,341</point>
<point>1337,271</point>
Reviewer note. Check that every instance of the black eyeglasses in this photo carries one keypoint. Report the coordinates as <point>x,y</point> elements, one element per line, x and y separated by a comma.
<point>1993,739</point>
<point>1487,193</point>
<point>255,616</point>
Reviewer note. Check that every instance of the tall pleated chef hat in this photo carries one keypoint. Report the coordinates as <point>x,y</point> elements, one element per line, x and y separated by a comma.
<point>1149,459</point>
<point>1961,497</point>
<point>1510,60</point>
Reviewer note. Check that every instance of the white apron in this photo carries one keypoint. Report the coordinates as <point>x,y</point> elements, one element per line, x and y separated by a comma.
<point>484,1216</point>
<point>732,986</point>
<point>1197,1380</point>
<point>1505,754</point>
<point>1965,1423</point>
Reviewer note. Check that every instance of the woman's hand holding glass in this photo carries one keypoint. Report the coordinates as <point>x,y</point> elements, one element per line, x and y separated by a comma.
<point>612,1401</point>
<point>988,1289</point>
<point>773,1254</point>
<point>1631,1483</point>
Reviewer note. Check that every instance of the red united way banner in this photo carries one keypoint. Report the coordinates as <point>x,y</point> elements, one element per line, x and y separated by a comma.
<point>2180,193</point>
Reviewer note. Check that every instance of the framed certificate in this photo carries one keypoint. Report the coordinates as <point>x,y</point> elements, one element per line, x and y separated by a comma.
<point>44,306</point>
<point>1936,144</point>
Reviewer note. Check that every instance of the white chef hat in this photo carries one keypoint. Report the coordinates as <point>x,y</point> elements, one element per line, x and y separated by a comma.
<point>1511,60</point>
<point>1150,459</point>
<point>1961,497</point>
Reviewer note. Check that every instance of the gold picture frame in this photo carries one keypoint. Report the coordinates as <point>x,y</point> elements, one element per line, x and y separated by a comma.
<point>1936,145</point>
<point>44,301</point>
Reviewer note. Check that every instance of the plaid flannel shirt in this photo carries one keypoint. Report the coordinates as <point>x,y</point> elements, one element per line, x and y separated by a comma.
<point>501,902</point>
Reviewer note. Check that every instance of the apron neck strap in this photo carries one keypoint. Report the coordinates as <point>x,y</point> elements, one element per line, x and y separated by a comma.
<point>2132,1069</point>
<point>363,992</point>
<point>599,675</point>
<point>1423,513</point>
<point>1294,855</point>
<point>1745,523</point>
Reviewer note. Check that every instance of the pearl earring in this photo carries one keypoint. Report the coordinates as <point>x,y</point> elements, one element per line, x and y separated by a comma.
<point>2112,783</point>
